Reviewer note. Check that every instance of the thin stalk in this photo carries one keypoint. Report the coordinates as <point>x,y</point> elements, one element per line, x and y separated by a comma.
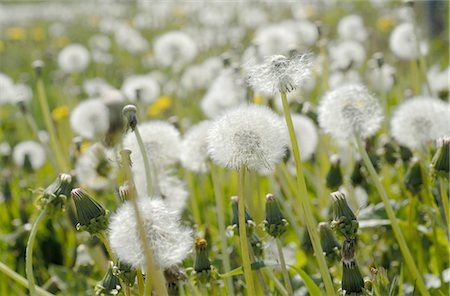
<point>194,198</point>
<point>284,270</point>
<point>150,178</point>
<point>62,164</point>
<point>29,253</point>
<point>246,264</point>
<point>391,215</point>
<point>415,77</point>
<point>140,281</point>
<point>153,272</point>
<point>278,285</point>
<point>105,242</point>
<point>445,197</point>
<point>305,205</point>
<point>222,228</point>
<point>127,290</point>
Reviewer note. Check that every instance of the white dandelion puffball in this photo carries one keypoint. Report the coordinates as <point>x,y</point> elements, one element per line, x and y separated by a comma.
<point>19,93</point>
<point>95,86</point>
<point>169,241</point>
<point>73,58</point>
<point>90,119</point>
<point>173,192</point>
<point>306,133</point>
<point>143,86</point>
<point>402,42</point>
<point>279,73</point>
<point>194,147</point>
<point>31,150</point>
<point>382,78</point>
<point>439,79</point>
<point>174,48</point>
<point>351,27</point>
<point>161,141</point>
<point>95,167</point>
<point>346,54</point>
<point>307,32</point>
<point>6,84</point>
<point>349,110</point>
<point>251,135</point>
<point>275,39</point>
<point>420,120</point>
<point>226,92</point>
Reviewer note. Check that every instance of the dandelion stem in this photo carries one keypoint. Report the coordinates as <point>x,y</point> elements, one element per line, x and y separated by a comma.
<point>21,280</point>
<point>391,215</point>
<point>278,285</point>
<point>147,167</point>
<point>305,203</point>
<point>62,164</point>
<point>246,265</point>
<point>29,253</point>
<point>284,270</point>
<point>222,228</point>
<point>445,198</point>
<point>105,242</point>
<point>195,206</point>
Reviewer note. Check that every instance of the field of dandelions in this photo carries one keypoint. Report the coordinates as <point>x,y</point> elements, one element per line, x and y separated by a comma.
<point>214,148</point>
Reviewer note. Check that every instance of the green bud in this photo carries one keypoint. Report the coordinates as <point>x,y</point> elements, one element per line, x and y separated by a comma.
<point>441,159</point>
<point>275,224</point>
<point>352,280</point>
<point>202,265</point>
<point>257,245</point>
<point>55,195</point>
<point>413,178</point>
<point>125,272</point>
<point>357,176</point>
<point>235,216</point>
<point>405,154</point>
<point>173,276</point>
<point>92,217</point>
<point>388,150</point>
<point>330,245</point>
<point>344,221</point>
<point>334,177</point>
<point>110,284</point>
<point>129,112</point>
<point>348,249</point>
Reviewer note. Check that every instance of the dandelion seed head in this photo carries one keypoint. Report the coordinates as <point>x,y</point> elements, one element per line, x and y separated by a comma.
<point>349,110</point>
<point>174,48</point>
<point>161,140</point>
<point>279,73</point>
<point>402,42</point>
<point>95,167</point>
<point>6,83</point>
<point>169,241</point>
<point>142,86</point>
<point>74,58</point>
<point>95,86</point>
<point>31,150</point>
<point>351,27</point>
<point>274,39</point>
<point>346,54</point>
<point>419,121</point>
<point>90,119</point>
<point>194,147</point>
<point>251,135</point>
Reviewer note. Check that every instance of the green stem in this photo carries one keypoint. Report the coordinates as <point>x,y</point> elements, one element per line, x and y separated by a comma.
<point>246,265</point>
<point>29,253</point>
<point>62,164</point>
<point>391,215</point>
<point>278,285</point>
<point>21,280</point>
<point>284,270</point>
<point>194,198</point>
<point>222,228</point>
<point>105,242</point>
<point>148,171</point>
<point>445,198</point>
<point>305,205</point>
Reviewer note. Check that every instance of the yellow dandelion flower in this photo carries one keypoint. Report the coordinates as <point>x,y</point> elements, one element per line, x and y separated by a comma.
<point>385,23</point>
<point>60,113</point>
<point>84,146</point>
<point>62,41</point>
<point>161,104</point>
<point>258,100</point>
<point>38,34</point>
<point>16,33</point>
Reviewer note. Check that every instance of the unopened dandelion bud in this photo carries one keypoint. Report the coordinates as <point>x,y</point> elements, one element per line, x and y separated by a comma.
<point>256,245</point>
<point>440,161</point>
<point>174,275</point>
<point>129,112</point>
<point>344,221</point>
<point>405,154</point>
<point>388,150</point>
<point>38,65</point>
<point>235,216</point>
<point>125,272</point>
<point>357,176</point>
<point>92,217</point>
<point>352,280</point>
<point>413,177</point>
<point>55,195</point>
<point>334,178</point>
<point>330,245</point>
<point>348,249</point>
<point>110,284</point>
<point>202,265</point>
<point>275,223</point>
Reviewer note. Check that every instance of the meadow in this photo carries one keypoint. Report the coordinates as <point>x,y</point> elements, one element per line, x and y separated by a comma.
<point>224,148</point>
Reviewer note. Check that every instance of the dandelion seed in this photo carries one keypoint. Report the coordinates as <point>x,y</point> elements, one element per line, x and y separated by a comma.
<point>170,241</point>
<point>73,58</point>
<point>279,73</point>
<point>194,147</point>
<point>420,120</point>
<point>90,119</point>
<point>251,135</point>
<point>349,110</point>
<point>95,168</point>
<point>29,153</point>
